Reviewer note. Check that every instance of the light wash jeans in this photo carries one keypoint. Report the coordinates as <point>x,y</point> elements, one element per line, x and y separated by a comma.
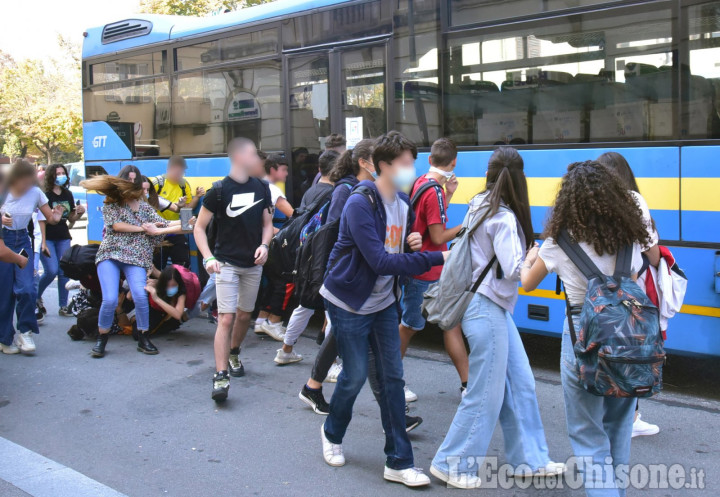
<point>500,386</point>
<point>109,276</point>
<point>600,428</point>
<point>51,266</point>
<point>296,325</point>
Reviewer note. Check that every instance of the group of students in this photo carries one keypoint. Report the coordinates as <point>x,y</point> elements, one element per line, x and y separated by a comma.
<point>390,248</point>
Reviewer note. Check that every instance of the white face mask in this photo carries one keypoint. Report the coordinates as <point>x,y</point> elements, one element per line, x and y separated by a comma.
<point>445,174</point>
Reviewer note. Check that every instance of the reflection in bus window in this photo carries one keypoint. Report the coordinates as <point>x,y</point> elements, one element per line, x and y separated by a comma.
<point>701,88</point>
<point>475,11</point>
<point>582,78</point>
<point>363,86</point>
<point>240,47</point>
<point>136,66</point>
<point>211,108</point>
<point>417,90</point>
<point>144,103</point>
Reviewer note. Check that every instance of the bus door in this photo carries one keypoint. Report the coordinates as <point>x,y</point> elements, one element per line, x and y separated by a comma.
<point>340,90</point>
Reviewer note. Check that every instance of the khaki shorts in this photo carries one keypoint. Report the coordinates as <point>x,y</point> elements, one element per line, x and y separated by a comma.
<point>237,288</point>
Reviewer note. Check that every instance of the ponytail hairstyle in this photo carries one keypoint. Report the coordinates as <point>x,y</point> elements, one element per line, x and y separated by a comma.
<point>116,190</point>
<point>620,165</point>
<point>348,164</point>
<point>506,183</point>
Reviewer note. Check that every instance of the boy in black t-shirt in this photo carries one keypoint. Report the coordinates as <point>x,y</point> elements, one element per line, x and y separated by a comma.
<point>243,219</point>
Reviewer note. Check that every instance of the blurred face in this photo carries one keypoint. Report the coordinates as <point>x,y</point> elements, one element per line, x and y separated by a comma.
<point>247,160</point>
<point>172,288</point>
<point>400,171</point>
<point>23,185</point>
<point>146,187</point>
<point>175,173</point>
<point>132,176</point>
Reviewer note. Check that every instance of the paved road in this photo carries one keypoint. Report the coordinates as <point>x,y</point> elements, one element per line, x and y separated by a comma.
<point>145,425</point>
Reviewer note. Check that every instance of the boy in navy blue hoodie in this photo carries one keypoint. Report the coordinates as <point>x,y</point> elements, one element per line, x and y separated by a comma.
<point>374,248</point>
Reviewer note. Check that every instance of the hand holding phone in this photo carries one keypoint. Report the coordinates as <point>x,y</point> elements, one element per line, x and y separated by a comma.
<point>23,253</point>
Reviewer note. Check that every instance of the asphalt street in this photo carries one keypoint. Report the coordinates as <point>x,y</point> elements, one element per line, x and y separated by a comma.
<point>146,426</point>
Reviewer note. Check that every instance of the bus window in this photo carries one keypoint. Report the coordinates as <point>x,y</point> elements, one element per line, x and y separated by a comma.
<point>256,44</point>
<point>363,87</point>
<point>464,12</point>
<point>594,77</point>
<point>210,108</point>
<point>145,103</point>
<point>700,117</point>
<point>136,66</point>
<point>417,90</point>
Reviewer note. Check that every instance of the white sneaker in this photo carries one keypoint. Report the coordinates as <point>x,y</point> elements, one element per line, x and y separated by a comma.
<point>550,469</point>
<point>462,480</point>
<point>287,357</point>
<point>334,372</point>
<point>409,395</point>
<point>642,428</point>
<point>73,285</point>
<point>410,477</point>
<point>332,453</point>
<point>9,349</point>
<point>25,342</point>
<point>276,331</point>
<point>257,326</point>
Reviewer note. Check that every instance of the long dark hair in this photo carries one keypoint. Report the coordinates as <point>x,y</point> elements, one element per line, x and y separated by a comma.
<point>125,174</point>
<point>166,275</point>
<point>597,208</point>
<point>153,198</point>
<point>349,161</point>
<point>620,165</point>
<point>506,183</point>
<point>51,174</point>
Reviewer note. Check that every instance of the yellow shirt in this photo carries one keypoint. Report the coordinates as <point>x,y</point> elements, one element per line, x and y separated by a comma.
<point>172,192</point>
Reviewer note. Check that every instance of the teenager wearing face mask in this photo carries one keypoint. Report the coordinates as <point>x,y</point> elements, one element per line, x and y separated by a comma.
<point>374,247</point>
<point>431,222</point>
<point>56,238</point>
<point>174,292</point>
<point>22,199</point>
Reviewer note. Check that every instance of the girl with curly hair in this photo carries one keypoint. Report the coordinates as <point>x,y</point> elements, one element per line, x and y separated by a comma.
<point>600,213</point>
<point>56,238</point>
<point>501,386</point>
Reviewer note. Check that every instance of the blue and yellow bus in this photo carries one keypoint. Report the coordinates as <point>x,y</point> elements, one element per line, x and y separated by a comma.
<point>563,80</point>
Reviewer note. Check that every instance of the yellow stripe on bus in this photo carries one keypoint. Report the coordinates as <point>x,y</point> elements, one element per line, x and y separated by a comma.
<point>701,194</point>
<point>660,193</point>
<point>697,310</point>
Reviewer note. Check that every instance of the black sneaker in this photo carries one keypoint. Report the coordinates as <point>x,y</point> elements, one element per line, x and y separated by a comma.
<point>39,316</point>
<point>221,386</point>
<point>235,366</point>
<point>40,305</point>
<point>412,422</point>
<point>315,400</point>
<point>65,312</point>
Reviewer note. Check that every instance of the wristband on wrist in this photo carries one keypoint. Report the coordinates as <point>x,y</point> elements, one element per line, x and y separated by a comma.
<point>209,259</point>
<point>265,245</point>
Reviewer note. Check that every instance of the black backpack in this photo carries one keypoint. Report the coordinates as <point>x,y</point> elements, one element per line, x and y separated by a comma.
<point>212,228</point>
<point>284,246</point>
<point>79,261</point>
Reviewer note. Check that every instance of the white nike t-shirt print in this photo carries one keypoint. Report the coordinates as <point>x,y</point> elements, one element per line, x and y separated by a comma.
<point>241,203</point>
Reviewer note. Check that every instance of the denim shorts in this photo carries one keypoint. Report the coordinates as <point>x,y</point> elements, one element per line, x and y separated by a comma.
<point>412,298</point>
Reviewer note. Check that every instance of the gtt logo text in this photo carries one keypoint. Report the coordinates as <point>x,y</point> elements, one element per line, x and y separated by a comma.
<point>99,141</point>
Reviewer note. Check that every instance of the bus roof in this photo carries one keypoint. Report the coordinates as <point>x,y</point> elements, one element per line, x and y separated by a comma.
<point>167,28</point>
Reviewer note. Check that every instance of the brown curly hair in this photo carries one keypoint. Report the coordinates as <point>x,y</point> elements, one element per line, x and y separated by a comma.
<point>596,207</point>
<point>51,174</point>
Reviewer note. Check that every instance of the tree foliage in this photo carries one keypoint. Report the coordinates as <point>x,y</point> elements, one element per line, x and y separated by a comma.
<point>194,7</point>
<point>40,110</point>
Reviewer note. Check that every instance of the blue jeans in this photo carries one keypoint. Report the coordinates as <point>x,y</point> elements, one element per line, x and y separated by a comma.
<point>51,267</point>
<point>412,298</point>
<point>18,289</point>
<point>109,276</point>
<point>356,334</point>
<point>500,386</point>
<point>600,428</point>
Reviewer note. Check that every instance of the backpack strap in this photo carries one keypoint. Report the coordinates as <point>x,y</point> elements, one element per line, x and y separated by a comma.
<point>159,183</point>
<point>417,194</point>
<point>623,263</point>
<point>367,193</point>
<point>183,187</point>
<point>483,274</point>
<point>578,256</point>
<point>217,188</point>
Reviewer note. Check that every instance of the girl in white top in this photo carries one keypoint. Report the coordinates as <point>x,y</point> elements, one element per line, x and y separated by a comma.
<point>599,212</point>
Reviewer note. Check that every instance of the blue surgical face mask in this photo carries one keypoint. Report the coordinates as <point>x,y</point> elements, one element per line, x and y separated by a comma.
<point>171,291</point>
<point>60,180</point>
<point>404,178</point>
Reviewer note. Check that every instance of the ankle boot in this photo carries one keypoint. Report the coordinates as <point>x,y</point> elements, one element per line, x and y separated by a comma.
<point>145,345</point>
<point>99,349</point>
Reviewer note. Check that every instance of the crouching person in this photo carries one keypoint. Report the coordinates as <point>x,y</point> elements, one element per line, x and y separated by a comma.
<point>361,297</point>
<point>174,292</point>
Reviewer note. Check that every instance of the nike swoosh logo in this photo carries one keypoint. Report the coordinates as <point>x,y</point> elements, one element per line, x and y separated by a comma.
<point>236,213</point>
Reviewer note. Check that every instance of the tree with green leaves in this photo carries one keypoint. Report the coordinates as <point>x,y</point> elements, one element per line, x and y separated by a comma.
<point>40,109</point>
<point>194,7</point>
